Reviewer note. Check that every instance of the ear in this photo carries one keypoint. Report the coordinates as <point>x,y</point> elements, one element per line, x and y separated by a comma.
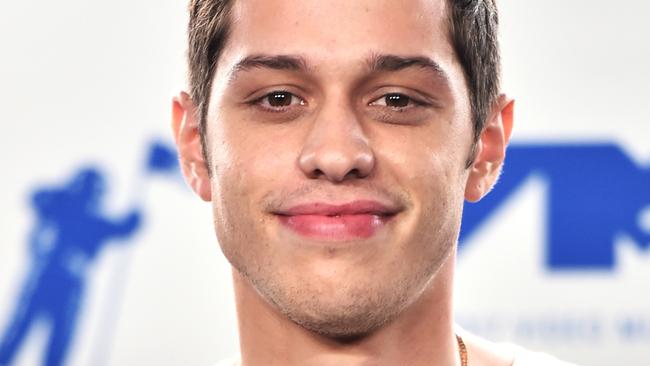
<point>185,126</point>
<point>490,150</point>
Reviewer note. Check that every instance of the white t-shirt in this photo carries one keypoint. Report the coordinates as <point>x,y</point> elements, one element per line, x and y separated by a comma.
<point>523,357</point>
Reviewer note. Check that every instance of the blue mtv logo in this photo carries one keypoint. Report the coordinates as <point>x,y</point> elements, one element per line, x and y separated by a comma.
<point>596,192</point>
<point>69,233</point>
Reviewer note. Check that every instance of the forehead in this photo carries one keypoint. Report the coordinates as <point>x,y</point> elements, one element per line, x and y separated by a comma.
<point>338,32</point>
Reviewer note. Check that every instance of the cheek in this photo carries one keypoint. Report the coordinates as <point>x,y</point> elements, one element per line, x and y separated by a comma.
<point>430,161</point>
<point>238,176</point>
<point>247,163</point>
<point>437,215</point>
<point>430,167</point>
<point>436,186</point>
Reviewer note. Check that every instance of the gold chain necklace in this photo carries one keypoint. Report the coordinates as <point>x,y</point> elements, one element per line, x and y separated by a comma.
<point>462,350</point>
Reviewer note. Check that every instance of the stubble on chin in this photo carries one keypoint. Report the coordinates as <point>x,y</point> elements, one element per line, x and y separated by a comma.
<point>345,312</point>
<point>347,307</point>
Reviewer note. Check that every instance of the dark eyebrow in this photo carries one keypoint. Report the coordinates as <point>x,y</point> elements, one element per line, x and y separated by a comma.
<point>376,63</point>
<point>276,62</point>
<point>381,63</point>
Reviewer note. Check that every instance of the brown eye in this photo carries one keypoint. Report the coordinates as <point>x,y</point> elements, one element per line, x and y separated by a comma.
<point>397,100</point>
<point>400,108</point>
<point>279,99</point>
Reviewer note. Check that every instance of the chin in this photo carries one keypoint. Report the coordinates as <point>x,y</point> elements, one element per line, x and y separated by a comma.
<point>342,327</point>
<point>339,298</point>
<point>343,313</point>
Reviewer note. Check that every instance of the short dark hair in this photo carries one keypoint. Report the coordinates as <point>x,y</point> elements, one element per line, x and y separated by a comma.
<point>473,31</point>
<point>473,28</point>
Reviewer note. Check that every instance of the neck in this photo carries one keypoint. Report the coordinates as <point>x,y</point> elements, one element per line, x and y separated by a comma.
<point>422,334</point>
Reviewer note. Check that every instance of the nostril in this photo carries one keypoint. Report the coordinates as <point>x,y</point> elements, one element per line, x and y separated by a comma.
<point>354,173</point>
<point>316,173</point>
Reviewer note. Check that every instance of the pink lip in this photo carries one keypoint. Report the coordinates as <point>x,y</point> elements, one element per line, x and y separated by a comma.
<point>354,220</point>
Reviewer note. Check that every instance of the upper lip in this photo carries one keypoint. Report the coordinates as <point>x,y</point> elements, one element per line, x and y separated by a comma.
<point>359,207</point>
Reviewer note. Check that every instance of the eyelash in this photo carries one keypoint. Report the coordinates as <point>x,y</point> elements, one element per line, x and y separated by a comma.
<point>411,102</point>
<point>258,102</point>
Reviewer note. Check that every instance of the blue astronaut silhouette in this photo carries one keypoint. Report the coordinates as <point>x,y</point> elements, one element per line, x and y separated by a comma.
<point>69,232</point>
<point>596,192</point>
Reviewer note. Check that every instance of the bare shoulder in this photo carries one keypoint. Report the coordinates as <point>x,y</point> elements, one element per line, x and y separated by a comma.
<point>482,352</point>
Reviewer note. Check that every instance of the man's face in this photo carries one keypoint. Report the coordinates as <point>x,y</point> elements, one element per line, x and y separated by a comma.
<point>338,134</point>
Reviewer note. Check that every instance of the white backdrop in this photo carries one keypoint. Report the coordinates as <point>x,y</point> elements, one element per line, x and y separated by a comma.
<point>90,83</point>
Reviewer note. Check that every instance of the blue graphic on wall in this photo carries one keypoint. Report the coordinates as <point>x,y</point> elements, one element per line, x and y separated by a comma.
<point>69,233</point>
<point>596,192</point>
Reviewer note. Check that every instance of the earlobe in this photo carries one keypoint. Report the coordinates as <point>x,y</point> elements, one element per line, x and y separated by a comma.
<point>474,190</point>
<point>185,127</point>
<point>490,150</point>
<point>507,117</point>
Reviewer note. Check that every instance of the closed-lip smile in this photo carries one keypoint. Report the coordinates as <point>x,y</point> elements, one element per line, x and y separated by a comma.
<point>360,219</point>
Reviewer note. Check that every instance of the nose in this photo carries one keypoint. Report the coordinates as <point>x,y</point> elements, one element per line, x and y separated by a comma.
<point>336,147</point>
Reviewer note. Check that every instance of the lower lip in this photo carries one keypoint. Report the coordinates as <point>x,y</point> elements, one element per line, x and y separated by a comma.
<point>337,228</point>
